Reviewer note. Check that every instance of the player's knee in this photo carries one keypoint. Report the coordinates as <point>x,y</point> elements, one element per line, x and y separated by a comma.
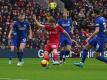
<point>68,47</point>
<point>45,53</point>
<point>62,49</point>
<point>20,49</point>
<point>12,48</point>
<point>97,54</point>
<point>55,51</point>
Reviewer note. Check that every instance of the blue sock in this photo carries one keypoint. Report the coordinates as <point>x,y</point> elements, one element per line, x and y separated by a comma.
<point>61,55</point>
<point>67,52</point>
<point>10,55</point>
<point>102,58</point>
<point>84,55</point>
<point>20,56</point>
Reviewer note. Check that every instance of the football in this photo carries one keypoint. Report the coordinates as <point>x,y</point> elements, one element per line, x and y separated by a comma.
<point>53,5</point>
<point>44,63</point>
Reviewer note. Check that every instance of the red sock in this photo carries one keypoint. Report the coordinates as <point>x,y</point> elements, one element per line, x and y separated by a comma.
<point>46,57</point>
<point>55,57</point>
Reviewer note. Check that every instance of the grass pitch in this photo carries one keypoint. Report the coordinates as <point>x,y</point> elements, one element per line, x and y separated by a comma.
<point>32,70</point>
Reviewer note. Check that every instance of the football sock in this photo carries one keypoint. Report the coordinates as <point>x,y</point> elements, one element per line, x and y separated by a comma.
<point>10,55</point>
<point>66,52</point>
<point>20,56</point>
<point>102,58</point>
<point>63,58</point>
<point>84,55</point>
<point>46,57</point>
<point>55,57</point>
<point>61,55</point>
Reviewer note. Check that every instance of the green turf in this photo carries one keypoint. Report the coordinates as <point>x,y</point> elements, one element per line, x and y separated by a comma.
<point>32,70</point>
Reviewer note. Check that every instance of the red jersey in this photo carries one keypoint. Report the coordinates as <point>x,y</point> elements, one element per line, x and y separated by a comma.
<point>54,33</point>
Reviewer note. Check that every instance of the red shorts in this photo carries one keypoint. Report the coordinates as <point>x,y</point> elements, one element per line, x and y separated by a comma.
<point>50,46</point>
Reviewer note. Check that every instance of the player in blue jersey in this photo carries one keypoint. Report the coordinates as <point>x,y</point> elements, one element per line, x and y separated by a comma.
<point>96,40</point>
<point>65,43</point>
<point>18,35</point>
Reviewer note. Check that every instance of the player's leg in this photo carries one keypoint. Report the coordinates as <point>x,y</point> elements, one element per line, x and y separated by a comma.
<point>46,56</point>
<point>20,54</point>
<point>55,56</point>
<point>83,56</point>
<point>92,43</point>
<point>98,56</point>
<point>11,54</point>
<point>67,49</point>
<point>12,49</point>
<point>62,52</point>
<point>47,50</point>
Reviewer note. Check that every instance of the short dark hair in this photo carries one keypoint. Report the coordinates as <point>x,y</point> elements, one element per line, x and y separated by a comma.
<point>97,11</point>
<point>21,14</point>
<point>52,20</point>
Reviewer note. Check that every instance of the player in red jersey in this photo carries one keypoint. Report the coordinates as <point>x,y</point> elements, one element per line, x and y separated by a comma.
<point>54,31</point>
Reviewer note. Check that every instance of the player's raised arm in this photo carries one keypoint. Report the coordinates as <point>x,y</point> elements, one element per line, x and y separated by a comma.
<point>95,32</point>
<point>10,32</point>
<point>30,33</point>
<point>69,36</point>
<point>37,22</point>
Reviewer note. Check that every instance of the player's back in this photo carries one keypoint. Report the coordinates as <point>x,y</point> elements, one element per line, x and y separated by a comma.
<point>21,28</point>
<point>101,23</point>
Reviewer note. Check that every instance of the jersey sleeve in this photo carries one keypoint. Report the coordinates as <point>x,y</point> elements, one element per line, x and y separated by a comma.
<point>60,29</point>
<point>46,27</point>
<point>14,25</point>
<point>28,24</point>
<point>59,22</point>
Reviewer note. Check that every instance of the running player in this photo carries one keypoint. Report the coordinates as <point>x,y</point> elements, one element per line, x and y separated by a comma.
<point>65,42</point>
<point>54,31</point>
<point>96,40</point>
<point>18,35</point>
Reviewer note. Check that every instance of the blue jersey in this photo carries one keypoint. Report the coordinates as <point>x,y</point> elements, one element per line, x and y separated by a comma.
<point>66,24</point>
<point>20,29</point>
<point>99,40</point>
<point>101,23</point>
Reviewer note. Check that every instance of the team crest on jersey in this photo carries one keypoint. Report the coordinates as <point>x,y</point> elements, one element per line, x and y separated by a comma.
<point>22,27</point>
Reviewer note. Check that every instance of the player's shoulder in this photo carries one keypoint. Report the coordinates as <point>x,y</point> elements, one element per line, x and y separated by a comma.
<point>27,22</point>
<point>100,19</point>
<point>69,18</point>
<point>47,25</point>
<point>15,22</point>
<point>60,20</point>
<point>58,26</point>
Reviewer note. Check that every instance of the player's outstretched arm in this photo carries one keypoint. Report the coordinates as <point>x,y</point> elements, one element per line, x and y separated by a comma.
<point>10,32</point>
<point>69,37</point>
<point>30,33</point>
<point>95,32</point>
<point>36,21</point>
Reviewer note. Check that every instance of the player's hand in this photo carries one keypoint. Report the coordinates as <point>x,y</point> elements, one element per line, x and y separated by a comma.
<point>30,37</point>
<point>87,39</point>
<point>75,42</point>
<point>71,32</point>
<point>9,36</point>
<point>34,17</point>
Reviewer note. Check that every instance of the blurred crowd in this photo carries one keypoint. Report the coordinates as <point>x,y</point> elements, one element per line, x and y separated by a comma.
<point>81,13</point>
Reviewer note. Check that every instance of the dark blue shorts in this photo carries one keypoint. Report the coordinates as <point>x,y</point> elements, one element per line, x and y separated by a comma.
<point>97,43</point>
<point>65,41</point>
<point>17,41</point>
